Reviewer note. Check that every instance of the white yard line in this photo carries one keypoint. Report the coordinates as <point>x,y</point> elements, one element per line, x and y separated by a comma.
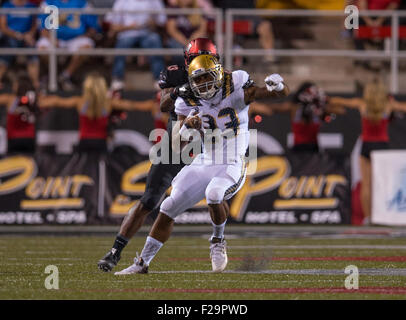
<point>316,272</point>
<point>305,246</point>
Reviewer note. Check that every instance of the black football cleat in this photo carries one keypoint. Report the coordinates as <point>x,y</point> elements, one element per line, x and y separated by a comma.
<point>108,262</point>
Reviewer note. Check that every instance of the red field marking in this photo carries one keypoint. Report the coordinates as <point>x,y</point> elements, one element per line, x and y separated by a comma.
<point>375,290</point>
<point>387,259</point>
<point>370,232</point>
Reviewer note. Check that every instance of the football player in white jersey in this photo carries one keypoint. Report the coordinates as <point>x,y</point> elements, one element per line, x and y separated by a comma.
<point>219,111</point>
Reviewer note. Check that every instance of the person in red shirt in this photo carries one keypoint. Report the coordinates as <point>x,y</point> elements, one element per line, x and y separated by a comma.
<point>375,108</point>
<point>22,112</point>
<point>308,110</point>
<point>374,22</point>
<point>94,108</point>
<point>378,4</point>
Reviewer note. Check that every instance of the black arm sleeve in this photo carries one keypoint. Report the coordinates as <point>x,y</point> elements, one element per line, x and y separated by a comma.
<point>173,76</point>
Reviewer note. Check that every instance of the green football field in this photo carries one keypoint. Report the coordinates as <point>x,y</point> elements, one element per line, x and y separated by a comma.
<point>294,265</point>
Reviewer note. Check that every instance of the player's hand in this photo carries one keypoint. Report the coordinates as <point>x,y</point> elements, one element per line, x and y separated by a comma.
<point>274,82</point>
<point>184,91</point>
<point>194,121</point>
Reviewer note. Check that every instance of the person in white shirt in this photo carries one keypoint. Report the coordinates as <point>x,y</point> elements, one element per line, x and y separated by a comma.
<point>136,30</point>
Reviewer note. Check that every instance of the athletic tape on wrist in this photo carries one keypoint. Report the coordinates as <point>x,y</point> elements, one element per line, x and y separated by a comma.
<point>183,129</point>
<point>280,87</point>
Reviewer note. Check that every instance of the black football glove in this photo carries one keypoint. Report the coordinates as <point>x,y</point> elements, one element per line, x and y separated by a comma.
<point>183,91</point>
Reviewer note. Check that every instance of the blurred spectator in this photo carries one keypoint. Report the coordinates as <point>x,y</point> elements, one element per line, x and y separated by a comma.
<point>308,110</point>
<point>96,108</point>
<point>75,32</point>
<point>136,30</point>
<point>376,108</point>
<point>302,4</point>
<point>402,22</point>
<point>377,5</point>
<point>374,21</point>
<point>184,28</point>
<point>102,3</point>
<point>263,27</point>
<point>206,5</point>
<point>22,113</point>
<point>19,31</point>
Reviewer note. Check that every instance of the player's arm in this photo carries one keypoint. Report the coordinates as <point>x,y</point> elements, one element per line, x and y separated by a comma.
<point>260,108</point>
<point>174,84</point>
<point>129,105</point>
<point>275,88</point>
<point>167,101</point>
<point>169,96</point>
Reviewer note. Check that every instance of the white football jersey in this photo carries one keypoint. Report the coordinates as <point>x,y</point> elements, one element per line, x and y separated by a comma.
<point>225,117</point>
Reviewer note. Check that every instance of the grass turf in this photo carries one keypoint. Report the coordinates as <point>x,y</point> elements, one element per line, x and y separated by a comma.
<point>181,270</point>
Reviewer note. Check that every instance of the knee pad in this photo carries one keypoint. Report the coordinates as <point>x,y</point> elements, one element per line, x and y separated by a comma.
<point>167,205</point>
<point>214,195</point>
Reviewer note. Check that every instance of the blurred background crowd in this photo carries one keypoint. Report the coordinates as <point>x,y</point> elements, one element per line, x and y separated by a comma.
<point>142,30</point>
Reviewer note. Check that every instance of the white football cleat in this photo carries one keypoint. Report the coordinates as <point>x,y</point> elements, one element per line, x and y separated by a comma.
<point>138,267</point>
<point>218,254</point>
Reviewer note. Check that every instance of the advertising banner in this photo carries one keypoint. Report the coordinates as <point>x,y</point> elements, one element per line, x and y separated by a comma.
<point>389,187</point>
<point>286,188</point>
<point>99,189</point>
<point>296,188</point>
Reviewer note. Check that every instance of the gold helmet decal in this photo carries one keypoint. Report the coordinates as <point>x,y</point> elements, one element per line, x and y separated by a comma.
<point>205,76</point>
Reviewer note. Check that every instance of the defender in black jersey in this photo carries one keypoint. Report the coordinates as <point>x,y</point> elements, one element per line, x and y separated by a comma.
<point>174,83</point>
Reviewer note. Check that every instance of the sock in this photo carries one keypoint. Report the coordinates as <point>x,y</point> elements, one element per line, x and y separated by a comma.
<point>218,230</point>
<point>150,250</point>
<point>119,244</point>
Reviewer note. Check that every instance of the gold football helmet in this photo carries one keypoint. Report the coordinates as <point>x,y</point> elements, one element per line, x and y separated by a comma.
<point>206,76</point>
